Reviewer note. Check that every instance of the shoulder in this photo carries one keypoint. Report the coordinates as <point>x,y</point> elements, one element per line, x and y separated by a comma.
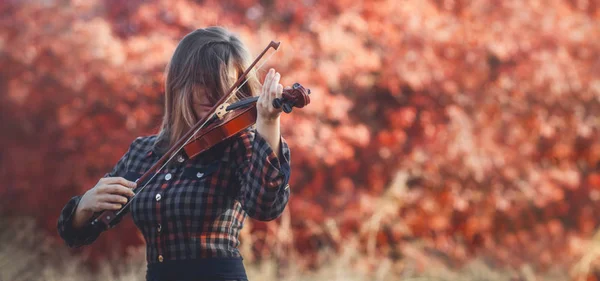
<point>144,141</point>
<point>237,145</point>
<point>245,138</point>
<point>142,145</point>
<point>135,156</point>
<point>248,133</point>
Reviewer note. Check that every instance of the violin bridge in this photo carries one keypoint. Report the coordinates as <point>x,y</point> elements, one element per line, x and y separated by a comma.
<point>222,110</point>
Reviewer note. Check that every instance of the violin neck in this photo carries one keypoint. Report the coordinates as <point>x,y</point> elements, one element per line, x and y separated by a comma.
<point>242,103</point>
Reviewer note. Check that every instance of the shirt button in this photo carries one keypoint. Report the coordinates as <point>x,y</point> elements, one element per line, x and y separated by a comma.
<point>199,175</point>
<point>160,258</point>
<point>158,197</point>
<point>180,159</point>
<point>168,176</point>
<point>159,227</point>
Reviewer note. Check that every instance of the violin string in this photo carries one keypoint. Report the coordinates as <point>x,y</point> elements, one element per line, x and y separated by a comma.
<point>237,89</point>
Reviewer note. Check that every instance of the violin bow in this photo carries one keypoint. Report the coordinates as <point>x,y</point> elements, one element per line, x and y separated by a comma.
<point>104,219</point>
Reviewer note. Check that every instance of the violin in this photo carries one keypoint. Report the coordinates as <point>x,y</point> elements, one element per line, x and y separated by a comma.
<point>238,116</point>
<point>223,122</point>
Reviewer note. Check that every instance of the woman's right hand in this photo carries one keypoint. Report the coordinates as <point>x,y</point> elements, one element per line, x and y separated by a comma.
<point>108,194</point>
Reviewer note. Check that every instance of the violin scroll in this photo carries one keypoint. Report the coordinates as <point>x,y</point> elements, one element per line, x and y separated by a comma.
<point>297,96</point>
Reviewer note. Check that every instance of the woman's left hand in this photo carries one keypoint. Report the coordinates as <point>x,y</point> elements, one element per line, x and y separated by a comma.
<point>271,89</point>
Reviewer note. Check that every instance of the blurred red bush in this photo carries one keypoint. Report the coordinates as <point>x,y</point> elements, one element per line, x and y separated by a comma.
<point>469,124</point>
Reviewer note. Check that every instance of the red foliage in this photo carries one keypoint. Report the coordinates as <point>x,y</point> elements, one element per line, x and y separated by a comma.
<point>488,109</point>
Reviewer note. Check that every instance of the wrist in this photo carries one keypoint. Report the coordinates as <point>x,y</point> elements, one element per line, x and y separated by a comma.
<point>267,121</point>
<point>81,206</point>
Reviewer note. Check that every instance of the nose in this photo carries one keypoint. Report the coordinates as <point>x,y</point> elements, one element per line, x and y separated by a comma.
<point>202,110</point>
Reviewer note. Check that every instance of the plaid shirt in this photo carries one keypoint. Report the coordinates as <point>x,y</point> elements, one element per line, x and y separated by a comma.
<point>195,208</point>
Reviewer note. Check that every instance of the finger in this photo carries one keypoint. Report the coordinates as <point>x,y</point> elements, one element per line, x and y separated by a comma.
<point>116,189</point>
<point>274,85</point>
<point>265,101</point>
<point>112,198</point>
<point>120,180</point>
<point>109,206</point>
<point>265,83</point>
<point>268,81</point>
<point>259,101</point>
<point>279,91</point>
<point>272,91</point>
<point>264,91</point>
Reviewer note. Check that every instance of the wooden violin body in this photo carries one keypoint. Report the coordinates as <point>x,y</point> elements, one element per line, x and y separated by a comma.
<point>240,116</point>
<point>232,124</point>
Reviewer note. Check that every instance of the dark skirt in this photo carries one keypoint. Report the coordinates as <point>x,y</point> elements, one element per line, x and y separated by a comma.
<point>210,269</point>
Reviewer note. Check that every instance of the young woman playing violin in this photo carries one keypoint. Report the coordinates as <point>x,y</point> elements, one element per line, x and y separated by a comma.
<point>191,211</point>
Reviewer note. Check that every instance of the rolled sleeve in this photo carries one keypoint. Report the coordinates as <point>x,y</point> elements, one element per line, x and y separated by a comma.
<point>74,237</point>
<point>86,235</point>
<point>263,177</point>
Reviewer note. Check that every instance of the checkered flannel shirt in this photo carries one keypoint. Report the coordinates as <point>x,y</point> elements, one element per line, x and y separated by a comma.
<point>196,207</point>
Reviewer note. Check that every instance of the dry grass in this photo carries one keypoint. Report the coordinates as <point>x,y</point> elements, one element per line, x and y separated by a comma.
<point>25,255</point>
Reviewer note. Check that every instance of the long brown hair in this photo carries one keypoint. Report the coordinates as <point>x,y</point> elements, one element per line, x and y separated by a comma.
<point>200,66</point>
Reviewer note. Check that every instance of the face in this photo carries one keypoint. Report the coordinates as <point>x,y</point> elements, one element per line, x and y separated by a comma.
<point>202,105</point>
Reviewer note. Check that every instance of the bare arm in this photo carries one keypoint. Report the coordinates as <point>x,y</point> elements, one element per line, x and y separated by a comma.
<point>267,122</point>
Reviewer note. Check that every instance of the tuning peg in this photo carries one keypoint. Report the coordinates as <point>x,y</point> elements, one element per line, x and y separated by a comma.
<point>277,103</point>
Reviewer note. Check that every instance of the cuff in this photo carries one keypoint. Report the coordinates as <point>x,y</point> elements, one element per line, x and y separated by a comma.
<point>278,167</point>
<point>73,237</point>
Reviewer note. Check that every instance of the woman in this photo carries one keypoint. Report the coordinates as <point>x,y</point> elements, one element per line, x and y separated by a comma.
<point>191,213</point>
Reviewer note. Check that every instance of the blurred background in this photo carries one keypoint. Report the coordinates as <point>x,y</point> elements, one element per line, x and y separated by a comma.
<point>445,140</point>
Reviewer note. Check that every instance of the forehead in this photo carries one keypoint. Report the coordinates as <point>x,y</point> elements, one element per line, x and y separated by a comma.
<point>232,75</point>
